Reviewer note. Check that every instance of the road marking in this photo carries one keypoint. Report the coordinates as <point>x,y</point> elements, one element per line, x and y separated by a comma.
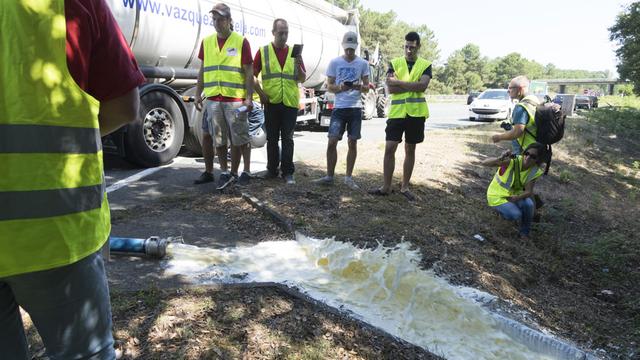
<point>135,177</point>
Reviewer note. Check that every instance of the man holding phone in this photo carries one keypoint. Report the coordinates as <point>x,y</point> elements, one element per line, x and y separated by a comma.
<point>347,77</point>
<point>282,69</point>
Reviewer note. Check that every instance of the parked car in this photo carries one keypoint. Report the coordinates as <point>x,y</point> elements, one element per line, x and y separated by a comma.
<point>583,102</point>
<point>472,96</point>
<point>490,105</point>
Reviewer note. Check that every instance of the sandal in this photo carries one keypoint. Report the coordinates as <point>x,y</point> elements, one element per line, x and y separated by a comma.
<point>409,195</point>
<point>378,192</point>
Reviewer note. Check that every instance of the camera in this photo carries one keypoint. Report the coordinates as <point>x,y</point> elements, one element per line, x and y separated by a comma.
<point>506,126</point>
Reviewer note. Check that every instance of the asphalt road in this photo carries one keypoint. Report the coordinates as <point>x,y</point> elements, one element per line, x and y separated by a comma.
<point>309,144</point>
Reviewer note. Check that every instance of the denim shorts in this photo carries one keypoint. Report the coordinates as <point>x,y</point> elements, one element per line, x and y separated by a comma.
<point>347,118</point>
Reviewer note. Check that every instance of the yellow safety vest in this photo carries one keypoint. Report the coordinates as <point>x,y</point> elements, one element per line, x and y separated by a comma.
<point>529,103</point>
<point>409,103</point>
<point>54,208</point>
<point>279,83</point>
<point>223,73</point>
<point>502,186</point>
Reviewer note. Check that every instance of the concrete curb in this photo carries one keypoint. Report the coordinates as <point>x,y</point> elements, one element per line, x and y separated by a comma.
<point>265,208</point>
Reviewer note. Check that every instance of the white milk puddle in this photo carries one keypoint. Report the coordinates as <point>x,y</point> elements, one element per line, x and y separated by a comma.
<point>383,286</point>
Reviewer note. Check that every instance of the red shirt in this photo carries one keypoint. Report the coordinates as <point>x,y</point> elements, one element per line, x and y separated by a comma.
<point>98,57</point>
<point>281,54</point>
<point>245,60</point>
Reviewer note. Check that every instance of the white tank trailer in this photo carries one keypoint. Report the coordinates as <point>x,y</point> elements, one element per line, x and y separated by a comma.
<point>165,36</point>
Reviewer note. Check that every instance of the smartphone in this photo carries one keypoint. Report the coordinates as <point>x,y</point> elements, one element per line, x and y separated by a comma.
<point>348,83</point>
<point>297,50</point>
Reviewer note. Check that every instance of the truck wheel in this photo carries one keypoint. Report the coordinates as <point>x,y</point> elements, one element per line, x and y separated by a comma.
<point>368,105</point>
<point>155,139</point>
<point>381,107</point>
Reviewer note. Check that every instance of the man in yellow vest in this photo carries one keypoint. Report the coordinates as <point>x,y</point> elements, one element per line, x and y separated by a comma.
<point>511,190</point>
<point>523,126</point>
<point>68,77</point>
<point>226,78</point>
<point>280,96</point>
<point>407,80</point>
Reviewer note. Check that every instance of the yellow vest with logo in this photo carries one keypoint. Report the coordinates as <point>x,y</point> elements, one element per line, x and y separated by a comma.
<point>529,104</point>
<point>223,73</point>
<point>54,209</point>
<point>279,83</point>
<point>503,186</point>
<point>409,103</point>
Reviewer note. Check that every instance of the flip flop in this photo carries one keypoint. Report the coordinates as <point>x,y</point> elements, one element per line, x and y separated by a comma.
<point>378,192</point>
<point>409,195</point>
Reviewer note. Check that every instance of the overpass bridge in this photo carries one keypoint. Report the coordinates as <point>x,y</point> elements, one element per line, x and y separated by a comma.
<point>562,83</point>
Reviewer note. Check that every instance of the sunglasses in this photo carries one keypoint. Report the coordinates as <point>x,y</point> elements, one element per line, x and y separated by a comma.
<point>533,156</point>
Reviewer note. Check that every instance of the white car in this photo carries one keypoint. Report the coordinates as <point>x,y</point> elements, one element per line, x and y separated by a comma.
<point>492,104</point>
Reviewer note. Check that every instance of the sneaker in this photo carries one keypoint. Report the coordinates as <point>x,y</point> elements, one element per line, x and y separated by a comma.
<point>204,178</point>
<point>289,180</point>
<point>325,180</point>
<point>348,180</point>
<point>244,178</point>
<point>270,175</point>
<point>224,180</point>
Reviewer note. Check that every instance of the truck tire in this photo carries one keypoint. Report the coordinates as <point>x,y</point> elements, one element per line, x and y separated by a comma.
<point>369,105</point>
<point>156,138</point>
<point>381,107</point>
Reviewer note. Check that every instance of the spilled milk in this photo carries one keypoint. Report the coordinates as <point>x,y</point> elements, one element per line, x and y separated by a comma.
<point>383,286</point>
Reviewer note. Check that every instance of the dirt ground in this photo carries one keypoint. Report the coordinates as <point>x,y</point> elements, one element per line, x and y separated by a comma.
<point>577,276</point>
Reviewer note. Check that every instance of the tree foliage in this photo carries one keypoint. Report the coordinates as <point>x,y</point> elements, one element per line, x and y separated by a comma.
<point>626,32</point>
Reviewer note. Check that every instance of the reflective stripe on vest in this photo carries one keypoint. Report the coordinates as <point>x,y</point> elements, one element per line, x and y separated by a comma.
<point>279,83</point>
<point>222,68</point>
<point>53,209</point>
<point>409,103</point>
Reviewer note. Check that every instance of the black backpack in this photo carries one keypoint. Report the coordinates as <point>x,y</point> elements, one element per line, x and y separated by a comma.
<point>549,120</point>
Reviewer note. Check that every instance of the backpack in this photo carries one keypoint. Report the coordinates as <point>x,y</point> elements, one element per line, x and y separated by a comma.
<point>549,120</point>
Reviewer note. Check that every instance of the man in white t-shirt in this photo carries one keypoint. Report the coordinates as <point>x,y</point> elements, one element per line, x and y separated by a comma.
<point>347,77</point>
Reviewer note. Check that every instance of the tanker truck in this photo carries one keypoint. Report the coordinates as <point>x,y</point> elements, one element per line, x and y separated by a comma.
<point>165,37</point>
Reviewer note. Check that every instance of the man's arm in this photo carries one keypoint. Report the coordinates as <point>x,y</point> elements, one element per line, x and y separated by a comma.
<point>200,87</point>
<point>301,74</point>
<point>333,87</point>
<point>512,134</point>
<point>119,111</point>
<point>364,88</point>
<point>399,86</point>
<point>248,85</point>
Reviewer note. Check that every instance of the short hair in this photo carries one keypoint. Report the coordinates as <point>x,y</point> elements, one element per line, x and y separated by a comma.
<point>521,81</point>
<point>276,21</point>
<point>413,36</point>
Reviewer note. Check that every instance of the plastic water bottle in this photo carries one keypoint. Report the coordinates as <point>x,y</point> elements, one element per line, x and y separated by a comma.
<point>241,109</point>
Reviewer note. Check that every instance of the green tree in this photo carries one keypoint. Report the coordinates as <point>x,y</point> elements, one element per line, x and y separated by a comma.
<point>626,32</point>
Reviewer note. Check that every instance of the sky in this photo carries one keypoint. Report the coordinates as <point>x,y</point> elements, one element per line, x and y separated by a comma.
<point>570,34</point>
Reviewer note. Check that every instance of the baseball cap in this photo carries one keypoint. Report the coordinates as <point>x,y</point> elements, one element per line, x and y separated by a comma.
<point>350,40</point>
<point>221,9</point>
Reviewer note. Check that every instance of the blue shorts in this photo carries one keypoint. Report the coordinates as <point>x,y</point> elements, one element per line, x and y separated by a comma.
<point>347,118</point>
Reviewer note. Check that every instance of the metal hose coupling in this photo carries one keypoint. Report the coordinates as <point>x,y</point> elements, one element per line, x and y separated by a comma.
<point>153,246</point>
<point>156,247</point>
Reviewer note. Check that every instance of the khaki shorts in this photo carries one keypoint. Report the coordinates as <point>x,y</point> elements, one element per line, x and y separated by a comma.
<point>226,124</point>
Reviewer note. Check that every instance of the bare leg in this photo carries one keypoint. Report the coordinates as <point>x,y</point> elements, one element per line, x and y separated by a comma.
<point>409,161</point>
<point>246,158</point>
<point>332,156</point>
<point>389,164</point>
<point>236,153</point>
<point>351,155</point>
<point>207,152</point>
<point>222,157</point>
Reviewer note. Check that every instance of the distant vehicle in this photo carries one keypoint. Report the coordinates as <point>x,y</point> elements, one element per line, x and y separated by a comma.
<point>594,101</point>
<point>472,96</point>
<point>490,105</point>
<point>583,102</point>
